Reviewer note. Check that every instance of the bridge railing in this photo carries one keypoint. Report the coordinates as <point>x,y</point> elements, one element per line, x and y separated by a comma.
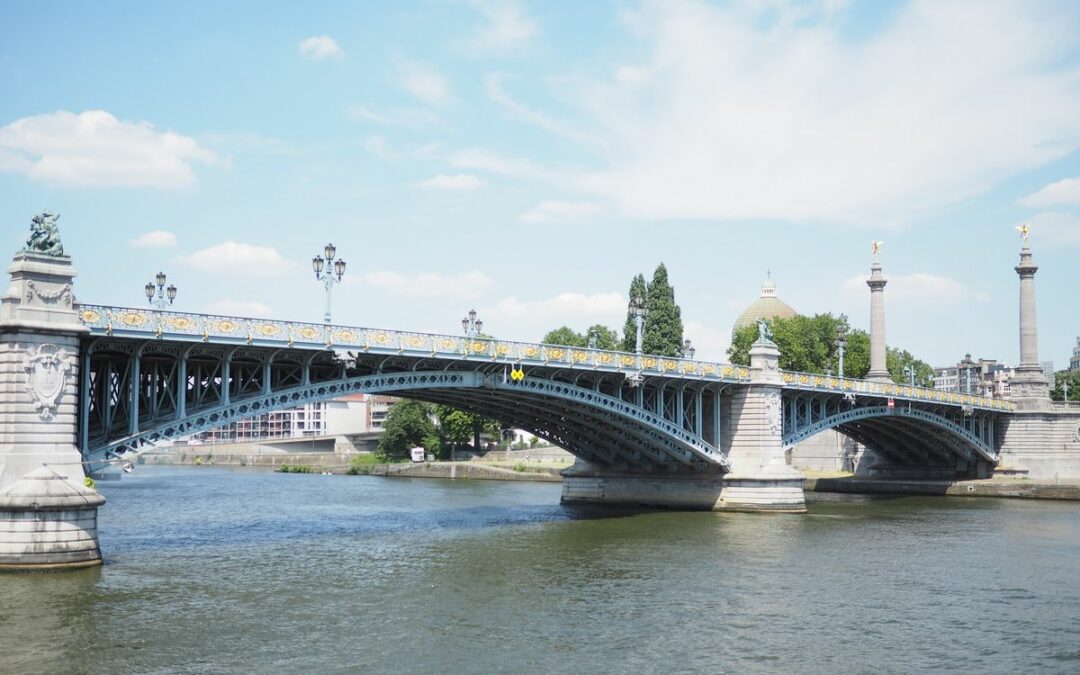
<point>149,324</point>
<point>847,385</point>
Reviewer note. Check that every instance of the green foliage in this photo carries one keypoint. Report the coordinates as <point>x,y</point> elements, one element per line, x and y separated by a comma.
<point>408,425</point>
<point>663,333</point>
<point>1057,393</point>
<point>361,464</point>
<point>565,336</point>
<point>520,467</point>
<point>637,289</point>
<point>897,359</point>
<point>89,482</point>
<point>296,468</point>
<point>606,338</point>
<point>808,345</point>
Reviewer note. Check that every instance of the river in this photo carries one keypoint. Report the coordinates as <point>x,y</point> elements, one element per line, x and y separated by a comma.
<point>211,570</point>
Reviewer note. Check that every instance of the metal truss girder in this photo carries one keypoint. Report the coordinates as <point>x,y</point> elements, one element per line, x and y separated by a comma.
<point>923,417</point>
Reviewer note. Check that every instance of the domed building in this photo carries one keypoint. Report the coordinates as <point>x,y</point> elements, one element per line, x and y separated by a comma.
<point>767,306</point>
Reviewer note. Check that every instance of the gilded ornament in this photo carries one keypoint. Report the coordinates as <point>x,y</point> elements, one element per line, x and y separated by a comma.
<point>381,338</point>
<point>743,372</point>
<point>708,370</point>
<point>309,333</point>
<point>268,329</point>
<point>133,318</point>
<point>478,347</point>
<point>532,352</point>
<point>346,336</point>
<point>447,344</point>
<point>605,358</point>
<point>502,350</point>
<point>580,357</point>
<point>626,360</point>
<point>669,365</point>
<point>226,326</point>
<point>555,353</point>
<point>90,315</point>
<point>728,371</point>
<point>414,340</point>
<point>650,363</point>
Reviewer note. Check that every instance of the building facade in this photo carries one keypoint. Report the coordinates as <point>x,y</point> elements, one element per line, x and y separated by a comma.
<point>352,414</point>
<point>1074,362</point>
<point>981,377</point>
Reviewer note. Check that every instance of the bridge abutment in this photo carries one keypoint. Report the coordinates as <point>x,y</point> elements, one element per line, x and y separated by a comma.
<point>48,518</point>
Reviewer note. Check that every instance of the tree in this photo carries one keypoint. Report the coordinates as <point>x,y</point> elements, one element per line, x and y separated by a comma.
<point>663,324</point>
<point>564,336</point>
<point>897,359</point>
<point>457,427</point>
<point>638,289</point>
<point>1057,391</point>
<point>606,338</point>
<point>808,345</point>
<point>408,425</point>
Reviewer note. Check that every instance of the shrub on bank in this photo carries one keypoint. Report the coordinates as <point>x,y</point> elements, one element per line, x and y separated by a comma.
<point>296,468</point>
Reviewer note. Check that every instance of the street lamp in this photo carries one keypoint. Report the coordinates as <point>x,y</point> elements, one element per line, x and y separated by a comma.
<point>841,343</point>
<point>334,270</point>
<point>638,309</point>
<point>471,325</point>
<point>909,373</point>
<point>159,294</point>
<point>687,350</point>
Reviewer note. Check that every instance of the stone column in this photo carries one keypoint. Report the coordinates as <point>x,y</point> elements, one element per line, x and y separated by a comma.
<point>48,518</point>
<point>760,479</point>
<point>879,371</point>
<point>1028,388</point>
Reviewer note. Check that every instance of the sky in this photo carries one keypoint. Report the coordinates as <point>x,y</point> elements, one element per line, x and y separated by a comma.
<point>527,159</point>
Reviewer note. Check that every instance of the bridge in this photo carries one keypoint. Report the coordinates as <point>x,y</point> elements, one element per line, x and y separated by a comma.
<point>85,385</point>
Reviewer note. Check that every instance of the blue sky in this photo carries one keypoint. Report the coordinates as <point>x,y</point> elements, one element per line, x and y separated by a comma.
<point>527,159</point>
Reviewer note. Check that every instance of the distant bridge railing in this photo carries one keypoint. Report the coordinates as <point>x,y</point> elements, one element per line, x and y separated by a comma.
<point>143,323</point>
<point>847,385</point>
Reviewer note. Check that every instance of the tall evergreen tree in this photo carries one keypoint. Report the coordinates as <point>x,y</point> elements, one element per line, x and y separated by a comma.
<point>663,324</point>
<point>637,289</point>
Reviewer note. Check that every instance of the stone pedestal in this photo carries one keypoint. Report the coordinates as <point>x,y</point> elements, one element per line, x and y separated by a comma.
<point>39,395</point>
<point>1028,387</point>
<point>48,521</point>
<point>760,479</point>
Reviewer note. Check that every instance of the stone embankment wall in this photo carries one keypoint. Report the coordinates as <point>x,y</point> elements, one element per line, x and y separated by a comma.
<point>1044,443</point>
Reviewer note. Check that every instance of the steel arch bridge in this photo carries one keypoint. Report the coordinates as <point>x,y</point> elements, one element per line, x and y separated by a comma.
<point>150,376</point>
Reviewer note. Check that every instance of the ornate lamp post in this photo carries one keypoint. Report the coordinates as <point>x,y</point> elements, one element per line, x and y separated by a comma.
<point>592,338</point>
<point>334,270</point>
<point>639,310</point>
<point>471,325</point>
<point>157,295</point>
<point>687,350</point>
<point>841,344</point>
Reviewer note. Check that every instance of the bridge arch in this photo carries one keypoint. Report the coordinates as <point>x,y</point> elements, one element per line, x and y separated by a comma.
<point>597,427</point>
<point>908,434</point>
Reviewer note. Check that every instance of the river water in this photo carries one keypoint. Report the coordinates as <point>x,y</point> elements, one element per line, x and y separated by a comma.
<point>213,570</point>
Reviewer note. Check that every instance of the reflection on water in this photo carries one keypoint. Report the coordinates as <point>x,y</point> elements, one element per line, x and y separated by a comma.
<point>212,570</point>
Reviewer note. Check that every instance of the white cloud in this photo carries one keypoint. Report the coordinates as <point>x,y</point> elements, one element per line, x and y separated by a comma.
<point>493,86</point>
<point>245,308</point>
<point>424,82</point>
<point>319,47</point>
<point>155,239</point>
<point>758,110</point>
<point>1066,191</point>
<point>484,160</point>
<point>710,344</point>
<point>507,26</point>
<point>235,258</point>
<point>530,320</point>
<point>467,285</point>
<point>94,149</point>
<point>561,211</point>
<point>1062,229</point>
<point>456,181</point>
<point>395,117</point>
<point>920,289</point>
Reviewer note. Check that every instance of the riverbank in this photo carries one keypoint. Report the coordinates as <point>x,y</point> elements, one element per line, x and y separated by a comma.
<point>1021,488</point>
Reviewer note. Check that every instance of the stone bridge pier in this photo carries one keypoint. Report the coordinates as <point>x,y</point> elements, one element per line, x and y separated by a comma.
<point>759,481</point>
<point>48,517</point>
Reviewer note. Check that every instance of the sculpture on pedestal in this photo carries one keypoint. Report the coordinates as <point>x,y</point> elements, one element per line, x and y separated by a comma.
<point>44,235</point>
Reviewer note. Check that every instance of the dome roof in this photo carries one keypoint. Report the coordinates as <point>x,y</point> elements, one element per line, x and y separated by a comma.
<point>767,306</point>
